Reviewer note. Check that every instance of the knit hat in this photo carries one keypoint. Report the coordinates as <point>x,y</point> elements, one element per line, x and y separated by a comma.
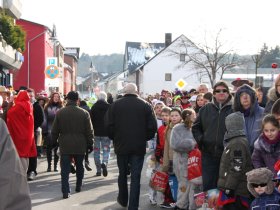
<point>260,176</point>
<point>235,124</point>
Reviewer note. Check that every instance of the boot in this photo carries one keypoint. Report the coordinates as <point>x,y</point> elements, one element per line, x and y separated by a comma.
<point>49,158</point>
<point>56,158</point>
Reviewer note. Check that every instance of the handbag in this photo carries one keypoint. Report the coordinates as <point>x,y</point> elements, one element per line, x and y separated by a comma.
<point>159,180</point>
<point>39,137</point>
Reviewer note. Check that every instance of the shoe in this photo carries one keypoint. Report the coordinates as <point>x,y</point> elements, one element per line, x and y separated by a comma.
<point>120,203</point>
<point>87,166</point>
<point>66,195</point>
<point>73,170</point>
<point>55,169</point>
<point>49,169</point>
<point>31,176</point>
<point>167,205</point>
<point>104,170</point>
<point>78,188</point>
<point>98,173</point>
<point>152,201</point>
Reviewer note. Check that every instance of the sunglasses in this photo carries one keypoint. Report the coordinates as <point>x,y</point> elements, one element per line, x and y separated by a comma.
<point>221,91</point>
<point>254,185</point>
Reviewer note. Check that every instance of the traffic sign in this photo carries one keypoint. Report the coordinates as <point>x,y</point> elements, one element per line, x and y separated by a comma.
<point>181,83</point>
<point>52,71</point>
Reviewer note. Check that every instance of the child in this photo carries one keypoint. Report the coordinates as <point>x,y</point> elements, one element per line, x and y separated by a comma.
<point>262,188</point>
<point>267,147</point>
<point>167,166</point>
<point>182,142</point>
<point>199,102</point>
<point>152,144</point>
<point>235,163</point>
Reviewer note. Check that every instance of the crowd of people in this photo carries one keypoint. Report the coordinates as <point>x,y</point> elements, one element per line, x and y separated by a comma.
<point>235,132</point>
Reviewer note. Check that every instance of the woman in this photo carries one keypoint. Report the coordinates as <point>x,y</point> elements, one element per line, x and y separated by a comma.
<point>51,108</point>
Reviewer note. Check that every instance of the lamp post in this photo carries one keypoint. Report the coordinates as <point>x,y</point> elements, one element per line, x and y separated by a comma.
<point>28,55</point>
<point>92,71</point>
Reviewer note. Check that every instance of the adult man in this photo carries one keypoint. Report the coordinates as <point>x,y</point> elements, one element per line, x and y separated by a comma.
<point>72,129</point>
<point>38,114</point>
<point>202,88</point>
<point>209,129</point>
<point>130,122</point>
<point>102,141</point>
<point>14,188</point>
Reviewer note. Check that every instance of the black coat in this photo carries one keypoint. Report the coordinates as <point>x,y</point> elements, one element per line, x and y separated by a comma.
<point>130,122</point>
<point>97,113</point>
<point>39,115</point>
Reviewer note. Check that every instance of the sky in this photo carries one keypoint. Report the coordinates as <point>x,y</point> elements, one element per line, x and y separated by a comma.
<point>103,26</point>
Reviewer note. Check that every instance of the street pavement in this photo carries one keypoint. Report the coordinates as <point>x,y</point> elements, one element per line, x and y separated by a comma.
<point>98,193</point>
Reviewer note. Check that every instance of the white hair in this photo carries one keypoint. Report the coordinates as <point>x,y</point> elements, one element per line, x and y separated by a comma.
<point>102,96</point>
<point>203,84</point>
<point>130,88</point>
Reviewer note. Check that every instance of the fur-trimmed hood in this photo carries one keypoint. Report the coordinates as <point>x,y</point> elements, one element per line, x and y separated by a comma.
<point>260,176</point>
<point>271,94</point>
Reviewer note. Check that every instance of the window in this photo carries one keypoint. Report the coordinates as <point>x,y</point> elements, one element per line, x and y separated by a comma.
<point>168,77</point>
<point>182,57</point>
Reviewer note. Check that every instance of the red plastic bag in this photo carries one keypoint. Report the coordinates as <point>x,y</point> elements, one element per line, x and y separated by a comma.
<point>159,180</point>
<point>194,164</point>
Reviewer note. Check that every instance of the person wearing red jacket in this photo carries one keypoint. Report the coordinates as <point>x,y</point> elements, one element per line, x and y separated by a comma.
<point>20,122</point>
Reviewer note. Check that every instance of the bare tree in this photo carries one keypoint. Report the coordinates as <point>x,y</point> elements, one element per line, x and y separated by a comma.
<point>211,61</point>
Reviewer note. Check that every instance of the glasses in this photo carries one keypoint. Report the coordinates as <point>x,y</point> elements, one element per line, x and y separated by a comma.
<point>221,91</point>
<point>258,185</point>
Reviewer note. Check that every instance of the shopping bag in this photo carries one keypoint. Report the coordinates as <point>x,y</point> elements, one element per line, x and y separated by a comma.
<point>159,180</point>
<point>173,183</point>
<point>194,166</point>
<point>39,137</point>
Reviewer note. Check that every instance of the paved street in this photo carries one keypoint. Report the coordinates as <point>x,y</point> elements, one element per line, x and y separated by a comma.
<point>98,193</point>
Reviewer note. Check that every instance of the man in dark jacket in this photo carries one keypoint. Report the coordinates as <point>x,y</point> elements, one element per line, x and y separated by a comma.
<point>38,113</point>
<point>209,129</point>
<point>130,122</point>
<point>102,141</point>
<point>72,129</point>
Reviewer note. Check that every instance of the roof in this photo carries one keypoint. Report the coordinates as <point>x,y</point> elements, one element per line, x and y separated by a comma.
<point>141,66</point>
<point>138,53</point>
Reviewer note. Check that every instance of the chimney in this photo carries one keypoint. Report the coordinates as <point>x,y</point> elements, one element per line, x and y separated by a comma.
<point>168,39</point>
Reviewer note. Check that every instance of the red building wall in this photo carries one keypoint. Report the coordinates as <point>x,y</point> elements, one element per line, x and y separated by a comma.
<point>40,48</point>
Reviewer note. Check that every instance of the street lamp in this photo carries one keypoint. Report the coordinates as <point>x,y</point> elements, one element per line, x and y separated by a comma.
<point>92,70</point>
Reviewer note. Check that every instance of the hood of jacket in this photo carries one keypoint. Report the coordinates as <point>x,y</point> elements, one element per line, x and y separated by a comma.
<point>23,100</point>
<point>235,125</point>
<point>245,89</point>
<point>271,94</point>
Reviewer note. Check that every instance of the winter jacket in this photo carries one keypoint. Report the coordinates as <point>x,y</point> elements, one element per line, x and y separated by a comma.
<point>130,122</point>
<point>160,143</point>
<point>267,202</point>
<point>14,188</point>
<point>265,154</point>
<point>72,129</point>
<point>272,96</point>
<point>20,122</point>
<point>182,142</point>
<point>253,116</point>
<point>235,163</point>
<point>97,114</point>
<point>209,127</point>
<point>38,113</point>
<point>167,165</point>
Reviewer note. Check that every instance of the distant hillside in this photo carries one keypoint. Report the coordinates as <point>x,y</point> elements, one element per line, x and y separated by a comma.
<point>103,63</point>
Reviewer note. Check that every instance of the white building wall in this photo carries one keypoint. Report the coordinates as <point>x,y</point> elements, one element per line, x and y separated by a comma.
<point>152,77</point>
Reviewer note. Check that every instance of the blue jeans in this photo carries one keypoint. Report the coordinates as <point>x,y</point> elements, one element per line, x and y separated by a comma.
<point>136,165</point>
<point>65,162</point>
<point>101,143</point>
